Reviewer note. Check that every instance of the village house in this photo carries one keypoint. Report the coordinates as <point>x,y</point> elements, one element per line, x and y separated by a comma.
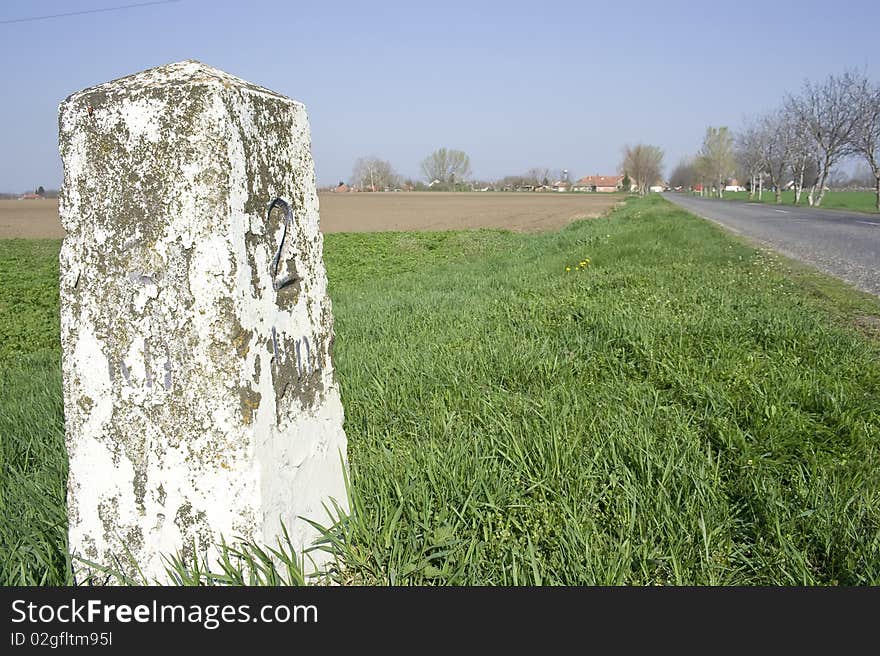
<point>561,185</point>
<point>599,183</point>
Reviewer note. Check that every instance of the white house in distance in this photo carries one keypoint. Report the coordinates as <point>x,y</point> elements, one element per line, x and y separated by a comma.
<point>734,185</point>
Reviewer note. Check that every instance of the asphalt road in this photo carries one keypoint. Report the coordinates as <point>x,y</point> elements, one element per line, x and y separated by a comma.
<point>844,244</point>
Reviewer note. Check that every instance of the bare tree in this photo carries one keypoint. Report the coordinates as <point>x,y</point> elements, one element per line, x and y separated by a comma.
<point>862,177</point>
<point>446,166</point>
<point>803,149</point>
<point>826,113</point>
<point>537,175</point>
<point>717,151</point>
<point>748,157</point>
<point>644,164</point>
<point>865,139</point>
<point>838,179</point>
<point>775,150</point>
<point>374,174</point>
<point>683,175</point>
<point>513,181</point>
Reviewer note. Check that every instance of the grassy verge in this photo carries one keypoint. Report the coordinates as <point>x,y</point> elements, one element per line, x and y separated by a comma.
<point>638,399</point>
<point>855,201</point>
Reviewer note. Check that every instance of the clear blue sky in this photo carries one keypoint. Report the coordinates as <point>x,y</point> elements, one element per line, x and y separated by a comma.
<point>515,85</point>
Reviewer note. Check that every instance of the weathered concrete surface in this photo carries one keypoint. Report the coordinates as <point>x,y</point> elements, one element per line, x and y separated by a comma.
<point>199,401</point>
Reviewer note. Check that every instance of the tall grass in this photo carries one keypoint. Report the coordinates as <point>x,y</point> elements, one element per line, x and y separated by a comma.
<point>638,399</point>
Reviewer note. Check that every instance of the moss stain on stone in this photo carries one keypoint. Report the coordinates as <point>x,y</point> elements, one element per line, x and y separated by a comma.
<point>194,526</point>
<point>139,487</point>
<point>86,404</point>
<point>249,402</point>
<point>241,339</point>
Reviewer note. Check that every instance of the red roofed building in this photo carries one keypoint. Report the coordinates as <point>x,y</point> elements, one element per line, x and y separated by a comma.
<point>603,183</point>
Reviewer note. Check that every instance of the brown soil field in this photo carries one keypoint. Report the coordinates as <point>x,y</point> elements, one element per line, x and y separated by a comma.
<point>30,219</point>
<point>430,210</point>
<point>523,212</point>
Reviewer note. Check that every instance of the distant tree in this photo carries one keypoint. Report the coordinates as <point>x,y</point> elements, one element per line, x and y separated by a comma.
<point>683,174</point>
<point>862,177</point>
<point>415,185</point>
<point>534,175</point>
<point>447,166</point>
<point>40,191</point>
<point>775,148</point>
<point>541,175</point>
<point>747,153</point>
<point>513,181</point>
<point>826,115</point>
<point>702,173</point>
<point>645,163</point>
<point>626,183</point>
<point>838,179</point>
<point>374,174</point>
<point>802,148</point>
<point>717,152</point>
<point>865,139</point>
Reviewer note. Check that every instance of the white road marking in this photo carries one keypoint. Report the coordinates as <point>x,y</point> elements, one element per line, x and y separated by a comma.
<point>782,211</point>
<point>868,223</point>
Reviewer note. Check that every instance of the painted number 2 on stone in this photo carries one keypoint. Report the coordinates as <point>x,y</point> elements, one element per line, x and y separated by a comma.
<point>303,349</point>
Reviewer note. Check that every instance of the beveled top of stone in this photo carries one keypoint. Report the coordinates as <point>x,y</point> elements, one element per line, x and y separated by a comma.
<point>184,73</point>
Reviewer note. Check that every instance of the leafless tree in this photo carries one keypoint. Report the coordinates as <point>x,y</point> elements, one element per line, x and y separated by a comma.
<point>537,175</point>
<point>717,155</point>
<point>683,175</point>
<point>865,139</point>
<point>862,177</point>
<point>374,174</point>
<point>748,157</point>
<point>825,112</point>
<point>838,179</point>
<point>775,149</point>
<point>644,164</point>
<point>446,166</point>
<point>513,181</point>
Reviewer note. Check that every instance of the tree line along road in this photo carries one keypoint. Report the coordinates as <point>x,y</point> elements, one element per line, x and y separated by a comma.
<point>843,244</point>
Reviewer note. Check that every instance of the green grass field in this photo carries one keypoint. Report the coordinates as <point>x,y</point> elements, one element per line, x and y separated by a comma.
<point>639,399</point>
<point>858,201</point>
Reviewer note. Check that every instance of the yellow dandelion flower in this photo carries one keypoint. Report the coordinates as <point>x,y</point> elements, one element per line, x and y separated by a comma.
<point>568,268</point>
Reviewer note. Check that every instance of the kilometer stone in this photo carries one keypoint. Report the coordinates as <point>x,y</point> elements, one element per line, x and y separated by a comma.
<point>199,395</point>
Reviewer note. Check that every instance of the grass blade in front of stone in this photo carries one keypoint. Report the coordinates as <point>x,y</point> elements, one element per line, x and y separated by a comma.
<point>674,408</point>
<point>33,472</point>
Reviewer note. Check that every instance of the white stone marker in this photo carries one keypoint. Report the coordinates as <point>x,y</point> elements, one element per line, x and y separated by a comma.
<point>199,396</point>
